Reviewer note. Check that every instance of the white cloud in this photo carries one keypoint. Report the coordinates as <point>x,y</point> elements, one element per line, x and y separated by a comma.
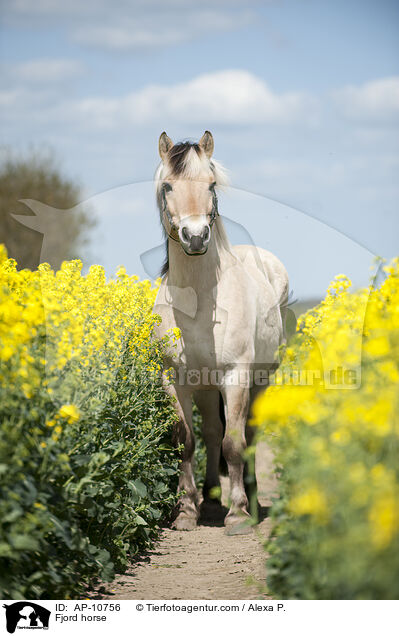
<point>159,29</point>
<point>47,70</point>
<point>373,102</point>
<point>93,8</point>
<point>125,38</point>
<point>224,97</point>
<point>43,71</point>
<point>135,24</point>
<point>228,97</point>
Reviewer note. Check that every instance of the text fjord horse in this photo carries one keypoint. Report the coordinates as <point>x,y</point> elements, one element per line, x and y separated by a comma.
<point>227,302</point>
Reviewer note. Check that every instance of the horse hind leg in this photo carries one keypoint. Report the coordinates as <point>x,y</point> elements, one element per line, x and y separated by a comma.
<point>250,482</point>
<point>212,431</point>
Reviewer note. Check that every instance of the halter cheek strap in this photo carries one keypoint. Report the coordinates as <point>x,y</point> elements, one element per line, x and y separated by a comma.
<point>173,226</point>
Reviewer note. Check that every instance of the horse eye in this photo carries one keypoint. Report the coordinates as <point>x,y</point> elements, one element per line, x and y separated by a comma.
<point>167,187</point>
<point>212,186</point>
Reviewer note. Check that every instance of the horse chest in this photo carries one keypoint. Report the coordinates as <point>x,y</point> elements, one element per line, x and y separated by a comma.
<point>208,341</point>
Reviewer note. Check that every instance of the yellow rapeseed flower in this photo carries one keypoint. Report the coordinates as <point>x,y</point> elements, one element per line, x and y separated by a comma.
<point>310,502</point>
<point>69,412</point>
<point>341,433</point>
<point>384,520</point>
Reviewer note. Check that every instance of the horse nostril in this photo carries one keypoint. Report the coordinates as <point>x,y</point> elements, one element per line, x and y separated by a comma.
<point>205,233</point>
<point>185,234</point>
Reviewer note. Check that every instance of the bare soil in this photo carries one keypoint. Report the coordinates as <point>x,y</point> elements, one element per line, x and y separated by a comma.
<point>204,564</point>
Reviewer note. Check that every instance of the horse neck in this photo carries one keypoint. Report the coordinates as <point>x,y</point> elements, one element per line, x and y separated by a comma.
<point>200,272</point>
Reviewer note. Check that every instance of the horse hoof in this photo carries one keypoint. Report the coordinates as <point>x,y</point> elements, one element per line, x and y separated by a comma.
<point>184,523</point>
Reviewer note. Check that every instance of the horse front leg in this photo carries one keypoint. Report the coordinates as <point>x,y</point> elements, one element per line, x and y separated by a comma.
<point>188,503</point>
<point>236,401</point>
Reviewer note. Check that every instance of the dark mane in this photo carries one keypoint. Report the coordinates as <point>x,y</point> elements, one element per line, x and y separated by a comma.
<point>178,153</point>
<point>165,264</point>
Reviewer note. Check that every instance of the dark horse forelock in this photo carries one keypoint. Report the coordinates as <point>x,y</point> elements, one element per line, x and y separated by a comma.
<point>177,156</point>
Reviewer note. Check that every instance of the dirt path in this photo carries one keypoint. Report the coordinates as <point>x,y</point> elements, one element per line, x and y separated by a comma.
<point>205,563</point>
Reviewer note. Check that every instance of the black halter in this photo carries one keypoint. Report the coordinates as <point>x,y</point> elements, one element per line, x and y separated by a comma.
<point>173,227</point>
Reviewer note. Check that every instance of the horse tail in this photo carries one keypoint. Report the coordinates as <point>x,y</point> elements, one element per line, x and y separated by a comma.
<point>222,462</point>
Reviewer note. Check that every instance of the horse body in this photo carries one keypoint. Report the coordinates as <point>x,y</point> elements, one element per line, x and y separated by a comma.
<point>226,303</point>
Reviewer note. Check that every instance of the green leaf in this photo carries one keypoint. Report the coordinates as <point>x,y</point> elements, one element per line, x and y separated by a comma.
<point>23,542</point>
<point>138,487</point>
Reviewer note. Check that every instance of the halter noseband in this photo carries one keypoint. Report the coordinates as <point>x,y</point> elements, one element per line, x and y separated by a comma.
<point>173,227</point>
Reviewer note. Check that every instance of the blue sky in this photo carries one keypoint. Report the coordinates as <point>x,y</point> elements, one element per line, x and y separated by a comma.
<point>302,98</point>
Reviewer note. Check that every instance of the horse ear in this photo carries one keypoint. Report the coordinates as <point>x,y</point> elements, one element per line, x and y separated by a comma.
<point>164,145</point>
<point>207,144</point>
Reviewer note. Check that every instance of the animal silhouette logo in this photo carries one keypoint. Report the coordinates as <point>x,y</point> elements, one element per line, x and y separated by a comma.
<point>26,615</point>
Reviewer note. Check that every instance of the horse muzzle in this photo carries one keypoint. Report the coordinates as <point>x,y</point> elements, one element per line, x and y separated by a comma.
<point>194,243</point>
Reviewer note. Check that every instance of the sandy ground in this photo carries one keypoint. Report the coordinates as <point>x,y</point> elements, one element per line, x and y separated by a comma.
<point>203,564</point>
